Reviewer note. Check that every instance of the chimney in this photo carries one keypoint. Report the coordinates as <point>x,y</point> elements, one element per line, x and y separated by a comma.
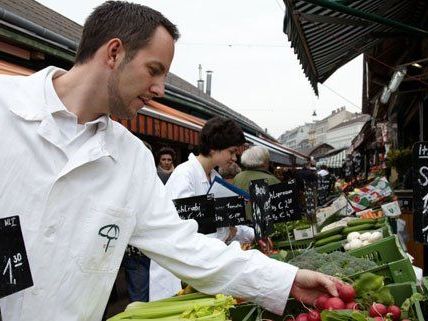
<point>209,77</point>
<point>200,81</point>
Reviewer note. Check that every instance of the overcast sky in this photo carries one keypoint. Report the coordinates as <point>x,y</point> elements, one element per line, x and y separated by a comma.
<point>255,70</point>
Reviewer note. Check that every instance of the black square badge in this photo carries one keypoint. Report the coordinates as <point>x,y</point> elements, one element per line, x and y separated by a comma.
<point>15,274</point>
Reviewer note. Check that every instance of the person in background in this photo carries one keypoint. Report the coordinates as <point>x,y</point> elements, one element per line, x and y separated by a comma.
<point>137,269</point>
<point>256,162</point>
<point>229,172</point>
<point>166,157</point>
<point>219,142</point>
<point>72,173</point>
<point>323,171</point>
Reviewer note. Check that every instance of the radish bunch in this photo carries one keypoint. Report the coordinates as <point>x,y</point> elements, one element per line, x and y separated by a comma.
<point>381,312</point>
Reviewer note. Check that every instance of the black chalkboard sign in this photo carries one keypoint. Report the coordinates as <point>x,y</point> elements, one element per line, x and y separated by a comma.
<point>15,274</point>
<point>230,211</point>
<point>310,193</point>
<point>260,202</point>
<point>323,189</point>
<point>283,202</point>
<point>420,191</point>
<point>358,163</point>
<point>199,208</point>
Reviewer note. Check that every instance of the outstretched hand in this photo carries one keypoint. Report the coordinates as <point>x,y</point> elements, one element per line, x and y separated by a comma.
<point>309,285</point>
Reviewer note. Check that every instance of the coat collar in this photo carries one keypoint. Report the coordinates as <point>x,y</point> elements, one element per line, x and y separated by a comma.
<point>200,170</point>
<point>31,105</point>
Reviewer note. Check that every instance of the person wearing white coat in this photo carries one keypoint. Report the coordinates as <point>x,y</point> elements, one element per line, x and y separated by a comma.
<point>69,172</point>
<point>219,142</point>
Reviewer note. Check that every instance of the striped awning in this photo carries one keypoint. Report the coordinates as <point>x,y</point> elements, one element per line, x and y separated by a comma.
<point>334,161</point>
<point>325,38</point>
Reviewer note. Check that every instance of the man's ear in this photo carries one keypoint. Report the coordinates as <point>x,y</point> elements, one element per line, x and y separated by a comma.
<point>115,52</point>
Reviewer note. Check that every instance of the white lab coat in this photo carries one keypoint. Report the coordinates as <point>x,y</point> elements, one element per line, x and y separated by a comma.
<point>63,203</point>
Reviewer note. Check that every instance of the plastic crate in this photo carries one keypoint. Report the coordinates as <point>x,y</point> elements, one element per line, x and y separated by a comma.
<point>381,252</point>
<point>402,291</point>
<point>295,244</point>
<point>393,263</point>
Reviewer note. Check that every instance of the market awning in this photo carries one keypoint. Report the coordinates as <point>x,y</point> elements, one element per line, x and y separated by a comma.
<point>7,68</point>
<point>278,153</point>
<point>326,34</point>
<point>334,160</point>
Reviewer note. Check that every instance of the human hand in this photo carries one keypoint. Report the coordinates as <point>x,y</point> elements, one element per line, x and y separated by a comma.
<point>309,285</point>
<point>232,233</point>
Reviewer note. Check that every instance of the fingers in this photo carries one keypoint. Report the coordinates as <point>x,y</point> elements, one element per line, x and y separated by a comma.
<point>329,283</point>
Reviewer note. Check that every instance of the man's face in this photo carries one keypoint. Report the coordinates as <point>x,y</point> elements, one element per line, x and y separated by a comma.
<point>132,84</point>
<point>165,161</point>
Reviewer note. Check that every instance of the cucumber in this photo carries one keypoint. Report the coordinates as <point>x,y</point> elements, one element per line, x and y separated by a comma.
<point>330,239</point>
<point>333,231</point>
<point>357,228</point>
<point>360,221</point>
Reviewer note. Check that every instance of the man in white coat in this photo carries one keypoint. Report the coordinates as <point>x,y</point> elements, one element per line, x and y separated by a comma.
<point>70,172</point>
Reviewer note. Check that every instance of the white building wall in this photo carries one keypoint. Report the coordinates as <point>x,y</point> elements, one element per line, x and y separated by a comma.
<point>343,136</point>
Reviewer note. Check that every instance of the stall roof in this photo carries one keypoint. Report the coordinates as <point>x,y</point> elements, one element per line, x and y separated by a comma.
<point>325,38</point>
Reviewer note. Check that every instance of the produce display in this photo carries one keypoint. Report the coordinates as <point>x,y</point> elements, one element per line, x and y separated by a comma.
<point>335,263</point>
<point>355,240</point>
<point>366,299</point>
<point>195,306</point>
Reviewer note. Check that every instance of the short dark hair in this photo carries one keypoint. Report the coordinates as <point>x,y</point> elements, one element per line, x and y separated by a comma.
<point>166,151</point>
<point>132,23</point>
<point>220,133</point>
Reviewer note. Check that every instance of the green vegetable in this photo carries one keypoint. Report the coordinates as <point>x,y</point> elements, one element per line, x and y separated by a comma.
<point>326,240</point>
<point>198,307</point>
<point>335,263</point>
<point>333,231</point>
<point>362,221</point>
<point>361,227</point>
<point>368,282</point>
<point>384,296</point>
<point>344,315</point>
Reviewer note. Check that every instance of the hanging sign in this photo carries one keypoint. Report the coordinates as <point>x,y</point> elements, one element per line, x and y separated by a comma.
<point>420,191</point>
<point>199,208</point>
<point>260,200</point>
<point>323,189</point>
<point>310,193</point>
<point>230,211</point>
<point>283,202</point>
<point>15,274</point>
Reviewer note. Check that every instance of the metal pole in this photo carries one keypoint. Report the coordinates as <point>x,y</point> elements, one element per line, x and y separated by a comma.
<point>334,5</point>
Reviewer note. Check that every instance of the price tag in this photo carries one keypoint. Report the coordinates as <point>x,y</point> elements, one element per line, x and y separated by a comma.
<point>15,274</point>
<point>199,208</point>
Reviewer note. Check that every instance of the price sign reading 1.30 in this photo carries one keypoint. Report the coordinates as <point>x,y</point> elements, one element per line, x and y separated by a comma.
<point>15,274</point>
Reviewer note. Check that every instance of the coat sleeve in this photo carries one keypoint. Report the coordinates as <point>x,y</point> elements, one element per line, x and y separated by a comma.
<point>206,263</point>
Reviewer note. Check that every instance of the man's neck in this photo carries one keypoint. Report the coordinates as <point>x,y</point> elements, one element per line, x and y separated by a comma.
<point>80,91</point>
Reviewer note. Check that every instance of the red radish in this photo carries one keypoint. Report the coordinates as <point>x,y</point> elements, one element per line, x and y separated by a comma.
<point>320,301</point>
<point>334,304</point>
<point>395,312</point>
<point>346,292</point>
<point>314,315</point>
<point>378,318</point>
<point>302,317</point>
<point>377,309</point>
<point>405,320</point>
<point>351,306</point>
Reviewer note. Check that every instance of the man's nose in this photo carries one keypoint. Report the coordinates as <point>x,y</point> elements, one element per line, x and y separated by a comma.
<point>158,89</point>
